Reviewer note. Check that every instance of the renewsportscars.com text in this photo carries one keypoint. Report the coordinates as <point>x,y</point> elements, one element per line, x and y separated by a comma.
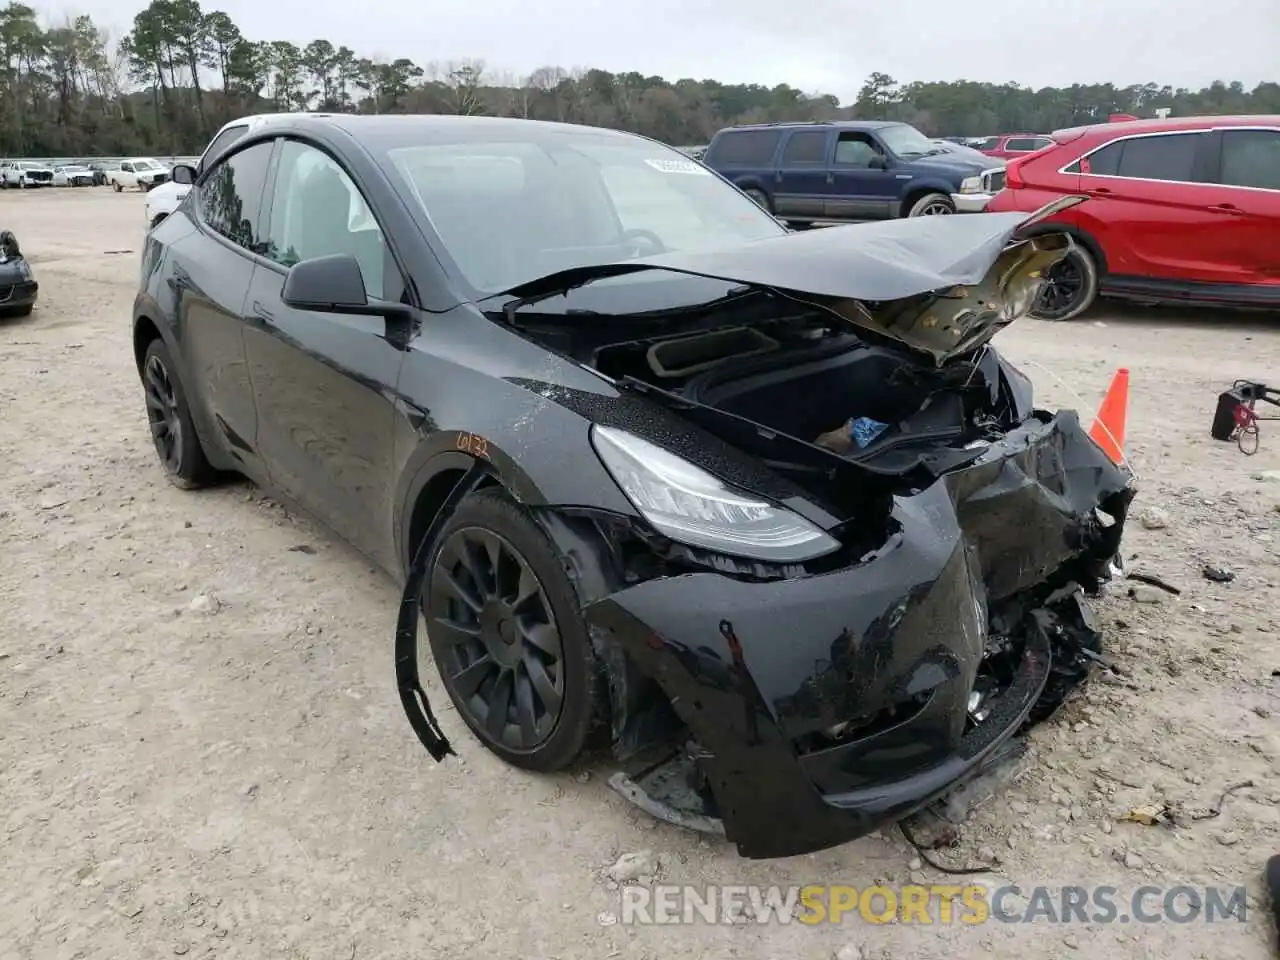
<point>929,904</point>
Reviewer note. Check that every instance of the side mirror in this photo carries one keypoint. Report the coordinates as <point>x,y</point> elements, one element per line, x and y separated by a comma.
<point>183,174</point>
<point>331,284</point>
<point>878,161</point>
<point>334,284</point>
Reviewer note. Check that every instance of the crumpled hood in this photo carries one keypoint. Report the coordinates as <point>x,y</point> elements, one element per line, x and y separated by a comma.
<point>939,285</point>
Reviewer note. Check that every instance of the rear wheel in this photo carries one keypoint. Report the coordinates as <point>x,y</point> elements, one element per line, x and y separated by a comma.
<point>504,627</point>
<point>1070,287</point>
<point>932,205</point>
<point>760,197</point>
<point>169,415</point>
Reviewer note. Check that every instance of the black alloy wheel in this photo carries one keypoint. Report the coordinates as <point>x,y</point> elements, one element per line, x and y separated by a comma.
<point>497,641</point>
<point>505,628</point>
<point>162,414</point>
<point>1067,289</point>
<point>172,430</point>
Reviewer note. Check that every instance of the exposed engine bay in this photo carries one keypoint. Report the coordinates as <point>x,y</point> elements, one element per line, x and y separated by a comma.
<point>801,376</point>
<point>891,386</point>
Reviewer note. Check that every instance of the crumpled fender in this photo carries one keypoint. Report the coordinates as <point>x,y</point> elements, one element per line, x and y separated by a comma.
<point>412,697</point>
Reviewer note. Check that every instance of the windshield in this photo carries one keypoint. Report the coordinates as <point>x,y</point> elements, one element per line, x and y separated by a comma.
<point>906,141</point>
<point>510,211</point>
<point>145,165</point>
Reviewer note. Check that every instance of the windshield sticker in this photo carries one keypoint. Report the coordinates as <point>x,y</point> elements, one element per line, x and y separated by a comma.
<point>679,166</point>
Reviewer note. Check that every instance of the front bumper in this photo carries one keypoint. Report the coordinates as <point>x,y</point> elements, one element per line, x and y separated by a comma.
<point>971,202</point>
<point>761,672</point>
<point>20,294</point>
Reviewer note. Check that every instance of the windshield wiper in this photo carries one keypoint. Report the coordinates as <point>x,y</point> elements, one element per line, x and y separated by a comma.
<point>560,283</point>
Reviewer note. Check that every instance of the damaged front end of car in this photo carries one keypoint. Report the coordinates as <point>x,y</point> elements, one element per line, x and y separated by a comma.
<point>791,705</point>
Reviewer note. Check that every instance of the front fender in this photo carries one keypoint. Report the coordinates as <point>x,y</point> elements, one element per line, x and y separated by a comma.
<point>563,472</point>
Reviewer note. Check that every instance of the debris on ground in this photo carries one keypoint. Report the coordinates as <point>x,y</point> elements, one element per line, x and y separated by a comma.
<point>204,603</point>
<point>1145,594</point>
<point>635,867</point>
<point>1153,518</point>
<point>1155,581</point>
<point>1218,574</point>
<point>1149,815</point>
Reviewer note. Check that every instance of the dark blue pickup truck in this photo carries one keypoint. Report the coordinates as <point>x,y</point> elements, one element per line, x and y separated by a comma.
<point>851,170</point>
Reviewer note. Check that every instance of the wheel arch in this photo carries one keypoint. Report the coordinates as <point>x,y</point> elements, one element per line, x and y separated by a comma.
<point>145,331</point>
<point>636,710</point>
<point>1078,235</point>
<point>752,182</point>
<point>921,189</point>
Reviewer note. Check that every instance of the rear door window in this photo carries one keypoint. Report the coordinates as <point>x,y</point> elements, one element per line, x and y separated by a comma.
<point>1169,157</point>
<point>1026,144</point>
<point>805,146</point>
<point>1104,162</point>
<point>744,148</point>
<point>1251,158</point>
<point>1021,144</point>
<point>224,140</point>
<point>230,200</point>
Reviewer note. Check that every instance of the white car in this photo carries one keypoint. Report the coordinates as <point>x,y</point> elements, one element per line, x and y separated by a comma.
<point>21,174</point>
<point>72,175</point>
<point>141,173</point>
<point>164,199</point>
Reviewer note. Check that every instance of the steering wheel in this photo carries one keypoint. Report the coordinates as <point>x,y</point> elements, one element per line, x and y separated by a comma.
<point>644,242</point>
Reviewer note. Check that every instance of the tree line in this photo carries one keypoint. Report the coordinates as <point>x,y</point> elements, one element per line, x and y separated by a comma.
<point>71,89</point>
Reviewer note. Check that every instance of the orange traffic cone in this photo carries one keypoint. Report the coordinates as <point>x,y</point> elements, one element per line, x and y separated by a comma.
<point>1108,428</point>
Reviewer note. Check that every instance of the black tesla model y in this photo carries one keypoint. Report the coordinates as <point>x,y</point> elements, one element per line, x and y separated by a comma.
<point>764,512</point>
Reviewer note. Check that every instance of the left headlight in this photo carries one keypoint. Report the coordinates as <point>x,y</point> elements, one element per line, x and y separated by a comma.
<point>692,507</point>
<point>971,185</point>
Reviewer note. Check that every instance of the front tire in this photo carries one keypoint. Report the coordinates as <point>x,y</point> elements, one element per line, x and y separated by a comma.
<point>115,185</point>
<point>504,626</point>
<point>1070,288</point>
<point>932,205</point>
<point>169,415</point>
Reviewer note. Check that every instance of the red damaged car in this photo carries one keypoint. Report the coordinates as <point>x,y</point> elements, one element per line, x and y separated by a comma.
<point>1183,209</point>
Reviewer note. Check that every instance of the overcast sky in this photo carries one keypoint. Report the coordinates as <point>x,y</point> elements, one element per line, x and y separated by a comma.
<point>818,45</point>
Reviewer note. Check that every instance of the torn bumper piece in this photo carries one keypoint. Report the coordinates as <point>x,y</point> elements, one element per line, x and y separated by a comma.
<point>823,707</point>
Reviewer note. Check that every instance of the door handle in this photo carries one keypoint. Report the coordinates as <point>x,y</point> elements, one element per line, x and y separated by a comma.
<point>1101,191</point>
<point>262,312</point>
<point>831,177</point>
<point>1224,208</point>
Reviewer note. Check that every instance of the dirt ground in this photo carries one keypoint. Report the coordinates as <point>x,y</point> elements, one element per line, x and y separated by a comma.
<point>202,752</point>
